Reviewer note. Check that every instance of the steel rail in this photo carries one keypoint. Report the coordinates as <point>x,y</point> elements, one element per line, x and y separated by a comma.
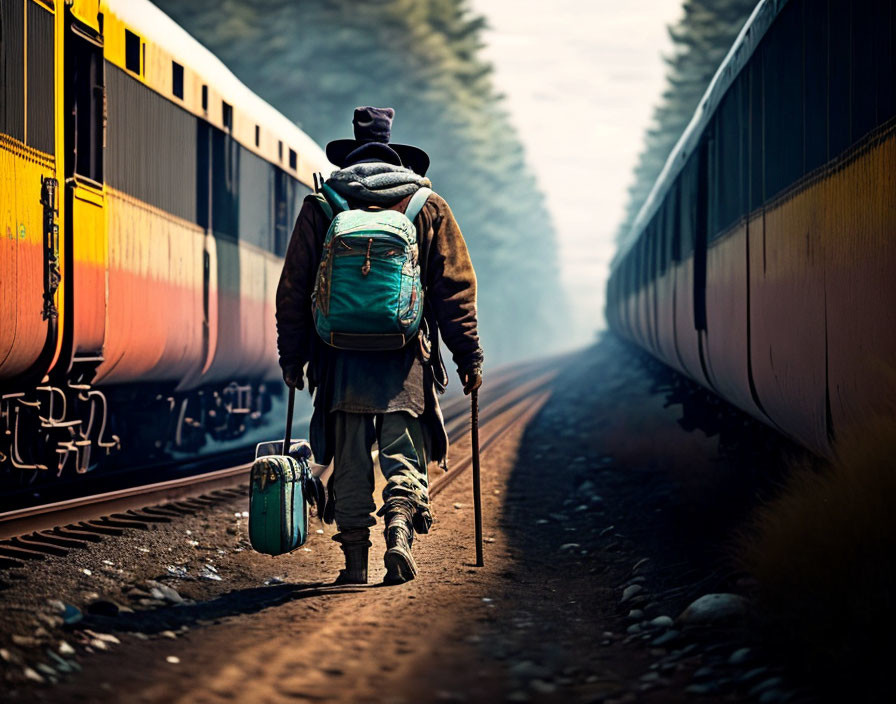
<point>44,517</point>
<point>520,415</point>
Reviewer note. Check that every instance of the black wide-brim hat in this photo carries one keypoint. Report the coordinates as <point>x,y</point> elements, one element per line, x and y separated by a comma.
<point>373,129</point>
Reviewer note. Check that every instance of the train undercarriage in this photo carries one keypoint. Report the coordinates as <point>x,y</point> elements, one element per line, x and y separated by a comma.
<point>56,431</point>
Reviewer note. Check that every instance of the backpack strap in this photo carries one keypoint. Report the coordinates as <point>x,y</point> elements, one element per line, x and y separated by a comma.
<point>415,205</point>
<point>324,205</point>
<point>337,202</point>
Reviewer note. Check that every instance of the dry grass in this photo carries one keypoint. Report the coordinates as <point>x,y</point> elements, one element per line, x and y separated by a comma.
<point>823,552</point>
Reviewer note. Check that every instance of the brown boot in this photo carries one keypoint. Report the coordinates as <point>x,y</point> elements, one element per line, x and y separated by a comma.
<point>400,565</point>
<point>355,543</point>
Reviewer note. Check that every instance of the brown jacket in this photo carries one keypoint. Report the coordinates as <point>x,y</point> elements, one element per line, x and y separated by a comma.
<point>449,310</point>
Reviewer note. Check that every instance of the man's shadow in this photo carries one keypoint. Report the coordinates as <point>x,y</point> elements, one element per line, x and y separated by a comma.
<point>234,603</point>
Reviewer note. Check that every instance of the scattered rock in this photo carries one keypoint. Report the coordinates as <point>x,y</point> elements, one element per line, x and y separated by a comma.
<point>767,684</point>
<point>50,620</point>
<point>46,669</point>
<point>630,591</point>
<point>136,593</point>
<point>528,670</point>
<point>65,648</point>
<point>704,688</point>
<point>740,656</point>
<point>634,628</point>
<point>209,572</point>
<point>569,546</point>
<point>173,659</point>
<point>105,637</point>
<point>606,531</point>
<point>25,641</point>
<point>751,675</point>
<point>32,675</point>
<point>177,571</point>
<point>273,580</point>
<point>640,564</point>
<point>543,687</point>
<point>61,664</point>
<point>636,614</point>
<point>662,622</point>
<point>667,637</point>
<point>704,673</point>
<point>713,608</point>
<point>164,592</point>
<point>169,634</point>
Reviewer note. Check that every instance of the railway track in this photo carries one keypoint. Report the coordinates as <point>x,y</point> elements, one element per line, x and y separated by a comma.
<point>511,400</point>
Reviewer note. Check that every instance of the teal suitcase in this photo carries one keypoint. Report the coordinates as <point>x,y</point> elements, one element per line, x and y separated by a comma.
<point>280,489</point>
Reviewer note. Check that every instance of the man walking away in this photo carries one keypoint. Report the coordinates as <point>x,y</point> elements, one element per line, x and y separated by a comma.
<point>371,386</point>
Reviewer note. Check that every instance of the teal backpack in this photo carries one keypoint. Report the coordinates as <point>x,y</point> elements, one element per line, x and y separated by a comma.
<point>368,294</point>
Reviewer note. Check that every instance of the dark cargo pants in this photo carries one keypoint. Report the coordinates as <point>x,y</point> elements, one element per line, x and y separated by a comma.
<point>403,443</point>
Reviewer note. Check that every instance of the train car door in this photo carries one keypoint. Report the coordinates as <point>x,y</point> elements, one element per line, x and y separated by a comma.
<point>85,235</point>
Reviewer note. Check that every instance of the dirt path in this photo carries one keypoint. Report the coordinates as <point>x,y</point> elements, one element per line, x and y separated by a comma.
<point>594,496</point>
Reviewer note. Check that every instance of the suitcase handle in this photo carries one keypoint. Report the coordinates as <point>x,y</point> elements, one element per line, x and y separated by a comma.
<point>287,437</point>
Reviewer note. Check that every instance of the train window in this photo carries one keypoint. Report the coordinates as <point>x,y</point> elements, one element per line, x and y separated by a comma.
<point>885,48</point>
<point>146,127</point>
<point>726,184</point>
<point>256,200</point>
<point>203,173</point>
<point>257,136</point>
<point>293,159</point>
<point>756,161</point>
<point>280,151</point>
<point>40,123</point>
<point>84,138</point>
<point>225,183</point>
<point>839,12</point>
<point>12,79</point>
<point>177,80</point>
<point>815,87</point>
<point>864,65</point>
<point>227,115</point>
<point>687,194</point>
<point>783,90</point>
<point>670,227</point>
<point>131,52</point>
<point>204,98</point>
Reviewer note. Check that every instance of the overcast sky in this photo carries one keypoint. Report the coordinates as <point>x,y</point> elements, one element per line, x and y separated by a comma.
<point>581,78</point>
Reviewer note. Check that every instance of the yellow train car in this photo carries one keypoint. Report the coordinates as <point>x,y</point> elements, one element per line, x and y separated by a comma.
<point>147,198</point>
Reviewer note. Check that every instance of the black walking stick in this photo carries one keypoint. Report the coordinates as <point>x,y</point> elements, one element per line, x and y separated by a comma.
<point>289,408</point>
<point>477,497</point>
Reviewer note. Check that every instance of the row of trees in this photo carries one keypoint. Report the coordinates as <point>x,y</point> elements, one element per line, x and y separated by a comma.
<point>316,60</point>
<point>700,39</point>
